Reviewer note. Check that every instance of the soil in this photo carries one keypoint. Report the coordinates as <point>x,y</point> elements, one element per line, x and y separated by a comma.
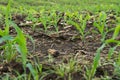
<point>62,45</point>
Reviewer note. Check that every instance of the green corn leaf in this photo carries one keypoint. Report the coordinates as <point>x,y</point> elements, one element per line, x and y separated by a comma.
<point>96,60</point>
<point>6,38</point>
<point>7,17</point>
<point>21,41</point>
<point>111,51</point>
<point>99,27</point>
<point>77,27</point>
<point>83,25</point>
<point>102,16</point>
<point>113,41</point>
<point>81,18</point>
<point>2,32</point>
<point>20,38</point>
<point>87,17</point>
<point>33,71</point>
<point>116,32</point>
<point>32,40</point>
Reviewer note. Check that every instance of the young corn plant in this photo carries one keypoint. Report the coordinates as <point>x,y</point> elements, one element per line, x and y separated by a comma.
<point>111,51</point>
<point>6,77</point>
<point>5,32</point>
<point>20,43</point>
<point>116,32</point>
<point>19,77</point>
<point>9,48</point>
<point>5,37</point>
<point>13,44</point>
<point>100,25</point>
<point>63,69</point>
<point>117,66</point>
<point>54,20</point>
<point>117,43</point>
<point>44,19</point>
<point>72,16</point>
<point>112,40</point>
<point>34,20</point>
<point>81,26</point>
<point>90,73</point>
<point>36,69</point>
<point>71,66</point>
<point>115,35</point>
<point>33,71</point>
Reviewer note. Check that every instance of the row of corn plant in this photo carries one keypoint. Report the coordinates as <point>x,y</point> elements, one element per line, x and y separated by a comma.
<point>91,72</point>
<point>17,44</point>
<point>13,44</point>
<point>47,19</point>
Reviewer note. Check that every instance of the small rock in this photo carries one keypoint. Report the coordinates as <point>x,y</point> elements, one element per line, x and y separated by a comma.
<point>53,52</point>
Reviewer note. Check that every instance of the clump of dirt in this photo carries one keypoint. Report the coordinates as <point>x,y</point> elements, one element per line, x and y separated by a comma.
<point>107,69</point>
<point>11,67</point>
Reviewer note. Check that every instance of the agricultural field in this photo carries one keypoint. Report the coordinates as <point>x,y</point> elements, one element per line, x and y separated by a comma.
<point>59,39</point>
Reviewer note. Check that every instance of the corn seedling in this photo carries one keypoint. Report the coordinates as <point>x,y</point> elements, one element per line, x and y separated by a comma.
<point>7,15</point>
<point>115,34</point>
<point>106,78</point>
<point>117,42</point>
<point>6,31</point>
<point>71,65</point>
<point>20,77</point>
<point>33,71</point>
<point>1,20</point>
<point>34,20</point>
<point>54,20</point>
<point>18,42</point>
<point>60,70</point>
<point>5,37</point>
<point>100,25</point>
<point>32,40</point>
<point>112,40</point>
<point>64,69</point>
<point>117,66</point>
<point>6,77</point>
<point>9,49</point>
<point>111,51</point>
<point>44,18</point>
<point>72,16</point>
<point>81,26</point>
<point>38,66</point>
<point>68,16</point>
<point>50,58</point>
<point>90,73</point>
<point>36,70</point>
